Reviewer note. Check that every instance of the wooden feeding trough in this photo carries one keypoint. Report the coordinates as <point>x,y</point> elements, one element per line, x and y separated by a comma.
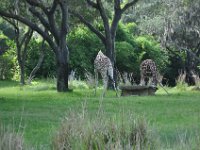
<point>137,90</point>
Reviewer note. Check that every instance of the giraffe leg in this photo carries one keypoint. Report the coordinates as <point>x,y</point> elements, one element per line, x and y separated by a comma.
<point>105,84</point>
<point>116,91</point>
<point>154,82</point>
<point>142,80</point>
<point>114,86</point>
<point>150,81</point>
<point>96,81</point>
<point>154,76</point>
<point>110,75</point>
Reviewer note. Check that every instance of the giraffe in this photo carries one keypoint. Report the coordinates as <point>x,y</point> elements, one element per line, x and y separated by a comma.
<point>103,65</point>
<point>148,69</point>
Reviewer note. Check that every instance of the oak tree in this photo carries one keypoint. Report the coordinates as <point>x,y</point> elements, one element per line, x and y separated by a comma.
<point>50,19</point>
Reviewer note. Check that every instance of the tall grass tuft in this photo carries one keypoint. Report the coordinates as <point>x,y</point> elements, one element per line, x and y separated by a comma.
<point>181,81</point>
<point>196,81</point>
<point>78,84</point>
<point>89,79</point>
<point>79,131</point>
<point>9,140</point>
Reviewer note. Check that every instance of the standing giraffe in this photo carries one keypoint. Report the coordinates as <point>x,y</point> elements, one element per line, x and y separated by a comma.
<point>103,65</point>
<point>147,70</point>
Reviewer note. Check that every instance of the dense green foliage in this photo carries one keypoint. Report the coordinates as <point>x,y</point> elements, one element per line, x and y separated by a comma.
<point>149,48</point>
<point>130,49</point>
<point>8,59</point>
<point>83,46</point>
<point>141,32</point>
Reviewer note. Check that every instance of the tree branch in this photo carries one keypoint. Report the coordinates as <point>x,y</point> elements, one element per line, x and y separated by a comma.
<point>116,18</point>
<point>53,8</point>
<point>35,3</point>
<point>129,5</point>
<point>64,10</point>
<point>40,17</point>
<point>89,25</point>
<point>26,42</point>
<point>39,63</point>
<point>32,26</point>
<point>24,37</point>
<point>192,53</point>
<point>12,22</point>
<point>117,5</point>
<point>64,20</point>
<point>197,49</point>
<point>52,25</point>
<point>104,17</point>
<point>91,3</point>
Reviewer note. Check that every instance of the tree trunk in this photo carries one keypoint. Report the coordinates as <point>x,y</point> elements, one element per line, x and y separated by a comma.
<point>21,66</point>
<point>190,68</point>
<point>22,50</point>
<point>62,70</point>
<point>22,78</point>
<point>110,52</point>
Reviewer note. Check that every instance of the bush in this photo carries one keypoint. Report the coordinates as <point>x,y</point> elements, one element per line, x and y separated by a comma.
<point>78,84</point>
<point>7,66</point>
<point>8,61</point>
<point>83,46</point>
<point>10,140</point>
<point>181,81</point>
<point>149,48</point>
<point>78,131</point>
<point>126,58</point>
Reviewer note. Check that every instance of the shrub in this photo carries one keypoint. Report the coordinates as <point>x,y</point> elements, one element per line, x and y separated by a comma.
<point>83,47</point>
<point>196,80</point>
<point>180,81</point>
<point>79,131</point>
<point>126,59</point>
<point>78,84</point>
<point>8,61</point>
<point>10,140</point>
<point>149,48</point>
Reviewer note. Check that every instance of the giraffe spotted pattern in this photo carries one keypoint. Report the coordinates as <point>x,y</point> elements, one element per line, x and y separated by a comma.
<point>103,65</point>
<point>148,70</point>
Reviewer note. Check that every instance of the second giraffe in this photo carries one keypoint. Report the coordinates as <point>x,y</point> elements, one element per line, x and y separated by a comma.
<point>148,70</point>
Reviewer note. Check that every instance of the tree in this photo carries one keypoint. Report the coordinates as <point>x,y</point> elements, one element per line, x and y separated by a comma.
<point>110,23</point>
<point>175,24</point>
<point>184,34</point>
<point>8,65</point>
<point>21,40</point>
<point>50,20</point>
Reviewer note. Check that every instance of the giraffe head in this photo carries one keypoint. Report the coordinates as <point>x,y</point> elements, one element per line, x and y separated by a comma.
<point>100,54</point>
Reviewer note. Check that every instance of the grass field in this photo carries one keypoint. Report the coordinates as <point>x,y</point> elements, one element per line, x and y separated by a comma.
<point>38,110</point>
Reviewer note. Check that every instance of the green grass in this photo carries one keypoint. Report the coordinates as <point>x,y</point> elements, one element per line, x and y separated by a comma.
<point>38,110</point>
